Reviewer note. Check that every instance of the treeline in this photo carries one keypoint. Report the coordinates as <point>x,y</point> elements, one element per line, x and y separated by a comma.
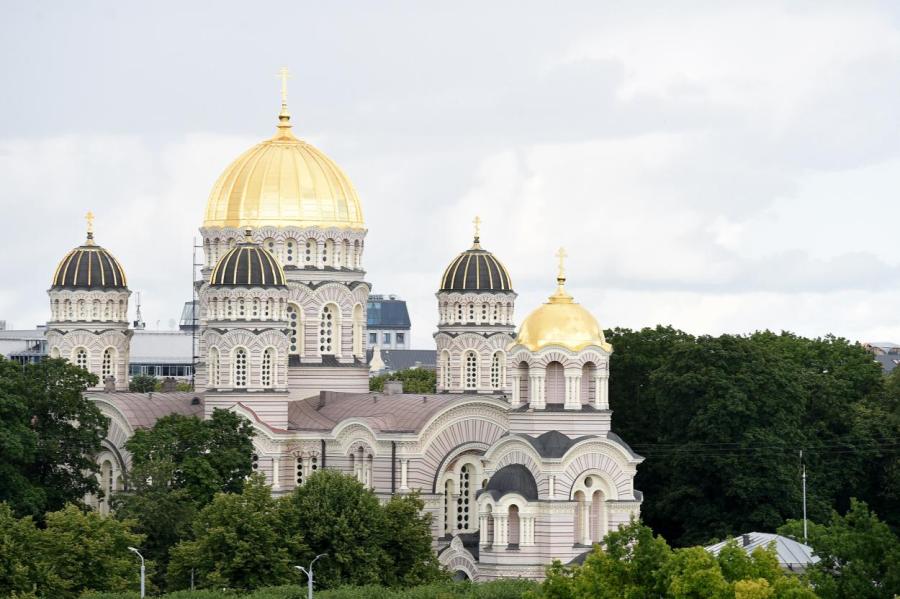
<point>721,422</point>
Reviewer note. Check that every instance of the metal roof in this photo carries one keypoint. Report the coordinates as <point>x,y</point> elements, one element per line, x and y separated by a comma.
<point>161,347</point>
<point>792,554</point>
<point>387,314</point>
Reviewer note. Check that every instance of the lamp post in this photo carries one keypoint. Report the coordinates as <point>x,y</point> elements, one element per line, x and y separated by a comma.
<point>309,575</point>
<point>142,568</point>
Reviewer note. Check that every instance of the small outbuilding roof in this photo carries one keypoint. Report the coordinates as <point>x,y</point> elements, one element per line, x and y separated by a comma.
<point>792,555</point>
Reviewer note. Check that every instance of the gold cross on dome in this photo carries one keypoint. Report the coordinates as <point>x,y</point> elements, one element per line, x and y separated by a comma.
<point>562,255</point>
<point>285,75</point>
<point>477,223</point>
<point>89,217</point>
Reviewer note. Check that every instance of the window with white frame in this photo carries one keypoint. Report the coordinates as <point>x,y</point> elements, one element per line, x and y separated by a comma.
<point>240,367</point>
<point>497,370</point>
<point>471,370</point>
<point>326,330</point>
<point>290,247</point>
<point>295,324</point>
<point>81,358</point>
<point>267,369</point>
<point>213,361</point>
<point>106,368</point>
<point>445,369</point>
<point>464,501</point>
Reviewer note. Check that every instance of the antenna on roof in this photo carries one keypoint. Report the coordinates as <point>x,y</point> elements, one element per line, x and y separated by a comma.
<point>803,476</point>
<point>139,324</point>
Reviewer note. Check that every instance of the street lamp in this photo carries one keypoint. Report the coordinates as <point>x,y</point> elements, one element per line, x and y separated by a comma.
<point>142,568</point>
<point>309,574</point>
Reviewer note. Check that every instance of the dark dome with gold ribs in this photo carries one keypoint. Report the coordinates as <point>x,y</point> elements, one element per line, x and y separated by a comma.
<point>247,265</point>
<point>89,266</point>
<point>476,270</point>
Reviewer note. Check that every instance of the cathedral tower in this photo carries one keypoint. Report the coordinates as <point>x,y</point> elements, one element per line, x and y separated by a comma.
<point>89,313</point>
<point>475,322</point>
<point>302,209</point>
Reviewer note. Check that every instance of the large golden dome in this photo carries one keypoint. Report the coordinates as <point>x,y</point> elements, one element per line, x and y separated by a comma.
<point>561,321</point>
<point>283,181</point>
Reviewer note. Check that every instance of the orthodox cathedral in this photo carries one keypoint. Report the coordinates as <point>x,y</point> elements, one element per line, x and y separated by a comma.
<point>513,455</point>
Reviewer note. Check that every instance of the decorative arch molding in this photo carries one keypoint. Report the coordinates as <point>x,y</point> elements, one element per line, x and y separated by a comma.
<point>492,411</point>
<point>608,486</point>
<point>474,448</point>
<point>352,432</point>
<point>458,432</point>
<point>524,457</point>
<point>457,558</point>
<point>596,459</point>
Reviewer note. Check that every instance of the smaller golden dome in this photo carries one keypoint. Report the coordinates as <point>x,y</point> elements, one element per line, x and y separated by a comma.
<point>561,321</point>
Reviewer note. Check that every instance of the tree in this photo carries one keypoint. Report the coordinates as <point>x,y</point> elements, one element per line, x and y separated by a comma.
<point>17,540</point>
<point>859,555</point>
<point>178,466</point>
<point>48,435</point>
<point>408,543</point>
<point>238,543</point>
<point>333,513</point>
<point>144,383</point>
<point>415,380</point>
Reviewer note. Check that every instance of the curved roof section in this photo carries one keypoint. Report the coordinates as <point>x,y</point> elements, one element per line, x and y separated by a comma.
<point>553,444</point>
<point>89,266</point>
<point>247,265</point>
<point>514,478</point>
<point>142,410</point>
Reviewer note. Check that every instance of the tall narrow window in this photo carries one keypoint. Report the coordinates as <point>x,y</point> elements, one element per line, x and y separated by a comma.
<point>81,358</point>
<point>463,502</point>
<point>309,255</point>
<point>328,252</point>
<point>290,247</point>
<point>445,369</point>
<point>326,331</point>
<point>358,330</point>
<point>240,367</point>
<point>471,370</point>
<point>299,471</point>
<point>254,462</point>
<point>448,506</point>
<point>497,370</point>
<point>296,325</point>
<point>214,367</point>
<point>107,367</point>
<point>267,370</point>
<point>495,313</point>
<point>471,312</point>
<point>459,313</point>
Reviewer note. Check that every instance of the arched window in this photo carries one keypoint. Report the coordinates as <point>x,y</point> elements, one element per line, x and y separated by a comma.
<point>96,310</point>
<point>328,253</point>
<point>213,361</point>
<point>580,520</point>
<point>107,485</point>
<point>269,245</point>
<point>471,312</point>
<point>470,375</point>
<point>512,523</point>
<point>327,330</point>
<point>484,313</point>
<point>267,369</point>
<point>214,252</point>
<point>490,526</point>
<point>464,501</point>
<point>498,374</point>
<point>495,313</point>
<point>448,505</point>
<point>290,251</point>
<point>555,383</point>
<point>346,254</point>
<point>598,517</point>
<point>309,253</point>
<point>241,312</point>
<point>106,368</point>
<point>299,471</point>
<point>254,462</point>
<point>240,367</point>
<point>81,310</point>
<point>254,310</point>
<point>54,352</point>
<point>80,357</point>
<point>295,323</point>
<point>524,382</point>
<point>356,254</point>
<point>445,369</point>
<point>588,376</point>
<point>459,313</point>
<point>358,325</point>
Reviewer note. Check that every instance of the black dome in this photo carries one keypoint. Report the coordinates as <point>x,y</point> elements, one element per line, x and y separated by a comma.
<point>514,478</point>
<point>89,266</point>
<point>247,265</point>
<point>476,270</point>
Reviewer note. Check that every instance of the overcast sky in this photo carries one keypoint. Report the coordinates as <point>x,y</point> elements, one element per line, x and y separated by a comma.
<point>721,167</point>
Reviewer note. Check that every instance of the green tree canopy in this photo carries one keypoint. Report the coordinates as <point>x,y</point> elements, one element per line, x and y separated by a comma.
<point>415,380</point>
<point>238,543</point>
<point>860,555</point>
<point>48,435</point>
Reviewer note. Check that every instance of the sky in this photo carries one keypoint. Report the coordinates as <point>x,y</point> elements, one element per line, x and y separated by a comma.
<point>722,167</point>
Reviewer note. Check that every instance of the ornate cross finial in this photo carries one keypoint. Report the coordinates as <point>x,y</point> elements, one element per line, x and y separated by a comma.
<point>89,217</point>
<point>477,223</point>
<point>561,255</point>
<point>285,74</point>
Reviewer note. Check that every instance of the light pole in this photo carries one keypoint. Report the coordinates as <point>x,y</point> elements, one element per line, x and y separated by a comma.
<point>309,574</point>
<point>142,568</point>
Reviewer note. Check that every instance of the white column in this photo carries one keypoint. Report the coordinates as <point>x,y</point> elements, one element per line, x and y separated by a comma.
<point>483,529</point>
<point>603,391</point>
<point>552,486</point>
<point>276,478</point>
<point>586,523</point>
<point>516,390</point>
<point>501,532</point>
<point>527,531</point>
<point>404,469</point>
<point>573,392</point>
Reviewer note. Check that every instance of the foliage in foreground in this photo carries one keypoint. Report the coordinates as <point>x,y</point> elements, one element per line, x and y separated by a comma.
<point>501,589</point>
<point>860,555</point>
<point>638,565</point>
<point>48,433</point>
